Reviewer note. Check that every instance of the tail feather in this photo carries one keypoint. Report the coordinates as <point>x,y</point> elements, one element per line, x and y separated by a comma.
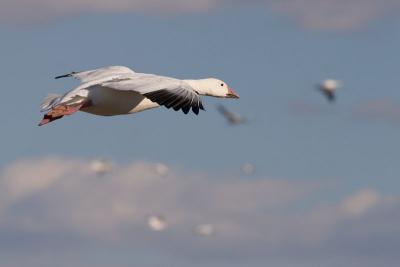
<point>49,101</point>
<point>57,111</point>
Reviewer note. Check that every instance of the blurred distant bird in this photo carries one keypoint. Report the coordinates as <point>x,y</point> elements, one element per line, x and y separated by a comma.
<point>204,230</point>
<point>232,118</point>
<point>248,169</point>
<point>162,169</point>
<point>157,223</point>
<point>118,90</point>
<point>329,87</point>
<point>101,166</point>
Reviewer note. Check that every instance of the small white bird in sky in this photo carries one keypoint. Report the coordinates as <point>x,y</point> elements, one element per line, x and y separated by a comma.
<point>157,223</point>
<point>248,168</point>
<point>204,230</point>
<point>162,169</point>
<point>101,166</point>
<point>328,88</point>
<point>118,90</point>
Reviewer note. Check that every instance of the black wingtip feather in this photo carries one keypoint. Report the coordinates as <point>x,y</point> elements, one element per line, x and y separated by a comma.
<point>65,75</point>
<point>170,100</point>
<point>196,110</point>
<point>186,109</point>
<point>201,106</point>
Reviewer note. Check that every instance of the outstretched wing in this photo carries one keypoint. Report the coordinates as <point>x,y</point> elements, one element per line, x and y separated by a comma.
<point>57,106</point>
<point>97,74</point>
<point>232,118</point>
<point>165,91</point>
<point>89,79</point>
<point>330,95</point>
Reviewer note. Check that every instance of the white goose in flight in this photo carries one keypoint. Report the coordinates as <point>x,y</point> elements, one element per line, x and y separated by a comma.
<point>118,90</point>
<point>329,87</point>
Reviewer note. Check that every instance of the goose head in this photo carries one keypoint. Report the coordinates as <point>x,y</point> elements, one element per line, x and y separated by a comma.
<point>213,87</point>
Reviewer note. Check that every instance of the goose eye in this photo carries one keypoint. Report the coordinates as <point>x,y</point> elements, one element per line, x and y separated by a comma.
<point>222,84</point>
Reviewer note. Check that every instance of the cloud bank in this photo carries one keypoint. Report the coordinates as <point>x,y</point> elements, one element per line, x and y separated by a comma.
<point>56,203</point>
<point>313,14</point>
<point>335,14</point>
<point>38,10</point>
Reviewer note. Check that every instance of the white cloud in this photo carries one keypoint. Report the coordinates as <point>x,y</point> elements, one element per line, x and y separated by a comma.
<point>258,217</point>
<point>16,185</point>
<point>72,197</point>
<point>27,10</point>
<point>361,202</point>
<point>334,14</point>
<point>314,14</point>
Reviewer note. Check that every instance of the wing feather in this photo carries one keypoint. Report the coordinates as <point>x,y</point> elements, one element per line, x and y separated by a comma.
<point>165,91</point>
<point>92,75</point>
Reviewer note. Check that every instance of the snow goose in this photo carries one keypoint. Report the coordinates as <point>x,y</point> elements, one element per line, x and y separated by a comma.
<point>204,230</point>
<point>328,88</point>
<point>118,90</point>
<point>157,223</point>
<point>101,166</point>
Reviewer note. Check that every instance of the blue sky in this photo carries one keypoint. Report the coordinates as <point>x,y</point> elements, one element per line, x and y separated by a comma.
<point>273,59</point>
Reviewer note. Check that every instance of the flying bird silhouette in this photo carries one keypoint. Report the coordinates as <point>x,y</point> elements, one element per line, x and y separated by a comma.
<point>204,230</point>
<point>328,88</point>
<point>231,117</point>
<point>101,166</point>
<point>118,90</point>
<point>157,223</point>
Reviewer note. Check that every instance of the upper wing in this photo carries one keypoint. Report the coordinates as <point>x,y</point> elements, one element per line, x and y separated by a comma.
<point>89,78</point>
<point>165,91</point>
<point>97,74</point>
<point>330,95</point>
